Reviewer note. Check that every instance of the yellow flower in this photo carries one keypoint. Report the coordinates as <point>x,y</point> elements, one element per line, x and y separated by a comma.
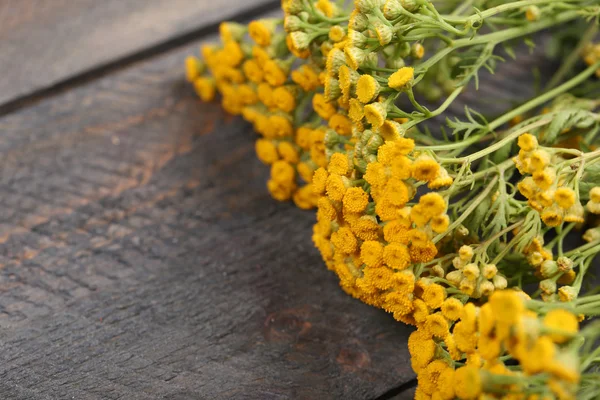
<point>306,171</point>
<point>391,131</point>
<point>425,168</point>
<point>440,223</point>
<point>429,377</point>
<point>354,57</point>
<point>261,32</point>
<point>365,227</point>
<point>284,98</point>
<point>344,240</point>
<point>371,253</point>
<point>282,171</point>
<point>338,164</point>
<point>281,191</point>
<point>381,278</point>
<point>320,180</point>
<point>300,53</point>
<point>507,306</point>
<point>260,55</point>
<point>419,216</point>
<point>436,325</point>
<point>376,114</point>
<point>322,107</point>
<point>527,142</point>
<point>388,152</point>
<point>367,89</point>
<point>205,88</point>
<point>246,94</point>
<point>386,209</point>
<point>434,295</point>
<point>306,77</point>
<point>355,200</point>
<point>282,127</point>
<point>396,256</point>
<point>544,178</point>
<point>341,124</point>
<point>288,152</point>
<point>421,348</point>
<point>275,73</point>
<point>552,216</point>
<point>561,320</point>
<point>537,358</point>
<point>433,204</point>
<point>193,68</point>
<point>252,71</point>
<point>337,33</point>
<point>336,188</point>
<point>417,51</point>
<point>565,197</point>
<point>356,111</point>
<point>422,251</point>
<point>304,198</point>
<point>401,167</point>
<point>397,231</point>
<point>396,192</point>
<point>376,175</point>
<point>452,308</point>
<point>397,303</point>
<point>467,383</point>
<point>402,78</point>
<point>265,94</point>
<point>266,151</point>
<point>539,159</point>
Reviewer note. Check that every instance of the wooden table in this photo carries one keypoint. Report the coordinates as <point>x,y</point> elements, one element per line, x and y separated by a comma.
<point>141,255</point>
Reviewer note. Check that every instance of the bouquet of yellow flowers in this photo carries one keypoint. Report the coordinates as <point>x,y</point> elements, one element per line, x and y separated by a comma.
<point>461,232</point>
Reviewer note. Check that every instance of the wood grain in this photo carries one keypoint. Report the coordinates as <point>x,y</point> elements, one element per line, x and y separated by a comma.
<point>142,258</point>
<point>45,42</point>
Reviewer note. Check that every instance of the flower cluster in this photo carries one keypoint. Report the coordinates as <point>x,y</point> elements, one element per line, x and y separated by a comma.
<point>463,233</point>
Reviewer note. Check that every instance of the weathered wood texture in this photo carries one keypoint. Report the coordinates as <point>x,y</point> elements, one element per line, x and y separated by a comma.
<point>143,258</point>
<point>44,42</point>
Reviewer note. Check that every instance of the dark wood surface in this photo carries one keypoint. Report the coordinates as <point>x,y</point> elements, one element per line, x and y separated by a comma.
<point>143,258</point>
<point>44,42</point>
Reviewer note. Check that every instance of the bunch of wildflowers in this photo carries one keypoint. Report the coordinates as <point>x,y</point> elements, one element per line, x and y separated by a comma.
<point>461,235</point>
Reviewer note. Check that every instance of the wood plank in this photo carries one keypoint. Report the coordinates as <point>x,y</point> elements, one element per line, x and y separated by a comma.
<point>45,42</point>
<point>143,258</point>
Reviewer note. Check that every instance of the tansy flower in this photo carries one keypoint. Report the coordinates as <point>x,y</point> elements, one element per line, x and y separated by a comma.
<point>282,172</point>
<point>429,377</point>
<point>391,131</point>
<point>467,383</point>
<point>343,240</point>
<point>288,152</point>
<point>281,191</point>
<point>371,253</point>
<point>341,124</point>
<point>422,251</point>
<point>545,178</point>
<point>422,349</point>
<point>322,107</point>
<point>452,308</point>
<point>205,88</point>
<point>365,227</point>
<point>562,321</point>
<point>260,55</point>
<point>401,167</point>
<point>247,94</point>
<point>266,151</point>
<point>291,45</point>
<point>261,31</point>
<point>396,256</point>
<point>433,204</point>
<point>434,295</point>
<point>539,159</point>
<point>233,54</point>
<point>355,200</point>
<point>320,181</point>
<point>306,171</point>
<point>347,79</point>
<point>282,127</point>
<point>402,78</point>
<point>367,89</point>
<point>338,164</point>
<point>335,187</point>
<point>356,110</point>
<point>386,209</point>
<point>564,197</point>
<point>507,306</point>
<point>419,216</point>
<point>193,68</point>
<point>275,72</point>
<point>396,192</point>
<point>436,325</point>
<point>304,198</point>
<point>425,168</point>
<point>337,33</point>
<point>440,223</point>
<point>285,98</point>
<point>527,142</point>
<point>306,77</point>
<point>376,175</point>
<point>552,216</point>
<point>417,50</point>
<point>354,57</point>
<point>265,94</point>
<point>252,71</point>
<point>376,114</point>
